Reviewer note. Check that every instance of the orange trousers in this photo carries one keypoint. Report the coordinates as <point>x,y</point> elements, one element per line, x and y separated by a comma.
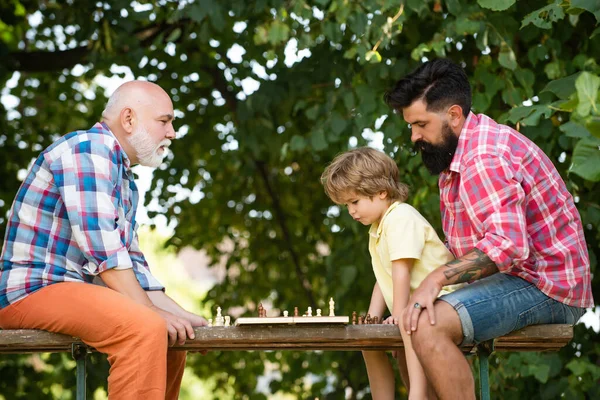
<point>133,336</point>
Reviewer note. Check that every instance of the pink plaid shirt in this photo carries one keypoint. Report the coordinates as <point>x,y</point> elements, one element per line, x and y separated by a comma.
<point>502,195</point>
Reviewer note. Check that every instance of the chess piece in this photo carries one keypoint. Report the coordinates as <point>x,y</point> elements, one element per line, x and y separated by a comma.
<point>260,310</point>
<point>295,311</point>
<point>318,312</point>
<point>375,319</point>
<point>219,318</point>
<point>360,320</point>
<point>309,312</point>
<point>353,317</point>
<point>210,322</point>
<point>368,319</point>
<point>285,314</point>
<point>227,320</point>
<point>331,307</point>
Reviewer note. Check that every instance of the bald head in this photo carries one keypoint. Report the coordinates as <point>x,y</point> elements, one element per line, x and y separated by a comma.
<point>133,94</point>
<point>139,107</point>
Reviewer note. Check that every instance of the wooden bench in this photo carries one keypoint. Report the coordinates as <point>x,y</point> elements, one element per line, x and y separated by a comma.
<point>291,337</point>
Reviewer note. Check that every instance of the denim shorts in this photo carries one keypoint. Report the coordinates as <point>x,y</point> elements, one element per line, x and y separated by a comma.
<point>501,303</point>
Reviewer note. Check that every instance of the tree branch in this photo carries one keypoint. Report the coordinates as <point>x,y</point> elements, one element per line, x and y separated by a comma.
<point>280,215</point>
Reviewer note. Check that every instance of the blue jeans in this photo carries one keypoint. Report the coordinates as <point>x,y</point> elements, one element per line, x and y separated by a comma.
<point>499,304</point>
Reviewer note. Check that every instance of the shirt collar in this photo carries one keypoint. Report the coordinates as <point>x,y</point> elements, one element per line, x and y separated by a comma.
<point>468,128</point>
<point>376,228</point>
<point>106,130</point>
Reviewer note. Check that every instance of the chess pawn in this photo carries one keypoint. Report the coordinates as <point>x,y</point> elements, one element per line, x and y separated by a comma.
<point>295,311</point>
<point>360,319</point>
<point>375,319</point>
<point>210,322</point>
<point>285,314</point>
<point>260,310</point>
<point>318,312</point>
<point>227,320</point>
<point>331,307</point>
<point>353,317</point>
<point>309,312</point>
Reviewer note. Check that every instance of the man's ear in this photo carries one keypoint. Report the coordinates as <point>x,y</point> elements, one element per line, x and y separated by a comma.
<point>127,119</point>
<point>455,117</point>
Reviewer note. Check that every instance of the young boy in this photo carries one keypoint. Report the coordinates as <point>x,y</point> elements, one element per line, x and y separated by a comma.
<point>404,248</point>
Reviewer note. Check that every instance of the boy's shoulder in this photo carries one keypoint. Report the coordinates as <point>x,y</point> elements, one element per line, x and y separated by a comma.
<point>402,211</point>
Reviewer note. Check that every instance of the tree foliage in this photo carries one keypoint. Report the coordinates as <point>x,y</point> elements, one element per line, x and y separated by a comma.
<point>244,182</point>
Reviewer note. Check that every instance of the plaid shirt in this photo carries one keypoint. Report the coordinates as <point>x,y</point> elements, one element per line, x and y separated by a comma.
<point>503,196</point>
<point>73,218</point>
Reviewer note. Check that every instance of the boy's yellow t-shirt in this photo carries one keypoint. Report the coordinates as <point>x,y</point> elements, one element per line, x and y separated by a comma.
<point>404,233</point>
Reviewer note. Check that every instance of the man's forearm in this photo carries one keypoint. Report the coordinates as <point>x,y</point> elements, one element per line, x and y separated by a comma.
<point>162,301</point>
<point>472,266</point>
<point>125,282</point>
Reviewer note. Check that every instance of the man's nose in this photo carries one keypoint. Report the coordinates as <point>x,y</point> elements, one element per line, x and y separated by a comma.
<point>415,135</point>
<point>171,132</point>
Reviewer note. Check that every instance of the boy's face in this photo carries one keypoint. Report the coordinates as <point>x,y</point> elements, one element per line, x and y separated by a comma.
<point>367,210</point>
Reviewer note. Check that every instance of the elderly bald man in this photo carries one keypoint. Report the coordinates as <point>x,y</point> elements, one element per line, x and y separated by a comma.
<point>71,262</point>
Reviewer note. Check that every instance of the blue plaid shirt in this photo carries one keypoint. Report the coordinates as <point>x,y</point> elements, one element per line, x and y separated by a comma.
<point>73,218</point>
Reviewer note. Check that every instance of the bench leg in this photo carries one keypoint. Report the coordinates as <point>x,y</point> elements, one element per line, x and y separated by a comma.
<point>79,352</point>
<point>484,350</point>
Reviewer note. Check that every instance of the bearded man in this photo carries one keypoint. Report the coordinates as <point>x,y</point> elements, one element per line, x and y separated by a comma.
<point>508,219</point>
<point>71,262</point>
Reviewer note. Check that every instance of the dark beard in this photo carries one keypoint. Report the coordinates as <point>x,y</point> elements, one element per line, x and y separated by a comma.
<point>438,157</point>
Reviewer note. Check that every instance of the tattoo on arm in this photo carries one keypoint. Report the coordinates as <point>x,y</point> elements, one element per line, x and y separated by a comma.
<point>472,266</point>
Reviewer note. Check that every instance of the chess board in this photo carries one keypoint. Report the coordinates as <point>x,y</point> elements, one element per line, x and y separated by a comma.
<point>291,320</point>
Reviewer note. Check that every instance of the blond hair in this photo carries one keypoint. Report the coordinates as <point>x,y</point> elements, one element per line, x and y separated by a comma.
<point>363,171</point>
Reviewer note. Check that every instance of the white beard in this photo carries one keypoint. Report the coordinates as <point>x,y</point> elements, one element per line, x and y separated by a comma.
<point>146,151</point>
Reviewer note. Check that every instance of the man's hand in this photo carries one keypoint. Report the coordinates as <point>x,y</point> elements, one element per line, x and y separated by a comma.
<point>422,298</point>
<point>179,328</point>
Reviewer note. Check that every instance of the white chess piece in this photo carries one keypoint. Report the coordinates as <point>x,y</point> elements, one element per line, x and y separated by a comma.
<point>318,312</point>
<point>309,312</point>
<point>219,319</point>
<point>210,322</point>
<point>227,320</point>
<point>331,307</point>
<point>285,314</point>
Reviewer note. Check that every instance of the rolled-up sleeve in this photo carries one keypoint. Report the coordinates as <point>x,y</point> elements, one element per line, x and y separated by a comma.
<point>141,268</point>
<point>495,203</point>
<point>87,179</point>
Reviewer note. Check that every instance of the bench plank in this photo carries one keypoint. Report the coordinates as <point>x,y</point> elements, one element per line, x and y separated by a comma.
<point>292,337</point>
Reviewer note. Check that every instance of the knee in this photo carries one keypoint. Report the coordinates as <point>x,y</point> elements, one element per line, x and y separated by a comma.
<point>427,338</point>
<point>150,328</point>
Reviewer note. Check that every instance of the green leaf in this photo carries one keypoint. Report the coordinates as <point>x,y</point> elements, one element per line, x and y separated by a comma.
<point>465,26</point>
<point>563,87</point>
<point>454,7</point>
<point>592,6</point>
<point>587,86</point>
<point>317,140</point>
<point>592,124</point>
<point>586,163</point>
<point>545,16</point>
<point>507,58</point>
<point>496,5</point>
<point>511,96</point>
<point>338,123</point>
<point>297,143</point>
<point>575,130</point>
<point>278,32</point>
<point>526,78</point>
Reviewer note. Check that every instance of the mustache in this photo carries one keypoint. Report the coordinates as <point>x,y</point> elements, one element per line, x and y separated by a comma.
<point>425,147</point>
<point>165,143</point>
